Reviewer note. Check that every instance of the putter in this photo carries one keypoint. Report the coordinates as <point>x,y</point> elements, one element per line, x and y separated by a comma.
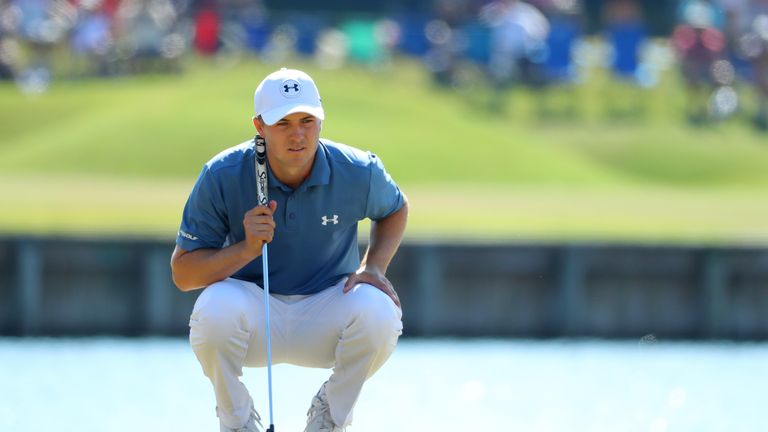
<point>261,194</point>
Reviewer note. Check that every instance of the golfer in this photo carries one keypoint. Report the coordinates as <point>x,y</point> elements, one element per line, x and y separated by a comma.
<point>328,308</point>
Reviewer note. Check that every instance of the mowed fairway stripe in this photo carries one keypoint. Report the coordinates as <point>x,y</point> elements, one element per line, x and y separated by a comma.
<point>85,205</point>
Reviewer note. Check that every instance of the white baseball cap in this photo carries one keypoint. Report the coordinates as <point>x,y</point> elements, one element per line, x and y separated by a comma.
<point>285,92</point>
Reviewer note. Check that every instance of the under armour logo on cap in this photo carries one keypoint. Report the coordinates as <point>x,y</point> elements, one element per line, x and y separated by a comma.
<point>291,88</point>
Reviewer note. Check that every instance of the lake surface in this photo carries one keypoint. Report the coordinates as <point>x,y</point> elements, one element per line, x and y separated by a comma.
<point>122,385</point>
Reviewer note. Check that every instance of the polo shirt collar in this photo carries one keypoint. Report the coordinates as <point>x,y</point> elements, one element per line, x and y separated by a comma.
<point>320,174</point>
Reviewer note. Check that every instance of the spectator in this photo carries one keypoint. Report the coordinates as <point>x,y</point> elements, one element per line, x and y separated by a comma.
<point>565,31</point>
<point>145,36</point>
<point>626,34</point>
<point>518,34</point>
<point>700,44</point>
<point>207,26</point>
<point>559,68</point>
<point>42,25</point>
<point>750,26</point>
<point>91,40</point>
<point>445,37</point>
<point>9,48</point>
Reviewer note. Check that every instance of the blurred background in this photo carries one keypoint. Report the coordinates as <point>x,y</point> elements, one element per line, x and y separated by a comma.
<point>587,247</point>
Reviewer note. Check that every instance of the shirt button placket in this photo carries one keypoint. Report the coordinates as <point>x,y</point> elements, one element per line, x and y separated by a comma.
<point>290,213</point>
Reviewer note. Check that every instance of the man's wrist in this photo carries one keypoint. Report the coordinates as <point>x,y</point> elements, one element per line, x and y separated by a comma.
<point>372,268</point>
<point>246,251</point>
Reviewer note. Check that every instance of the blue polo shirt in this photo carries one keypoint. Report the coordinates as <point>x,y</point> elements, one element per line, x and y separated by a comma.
<point>315,242</point>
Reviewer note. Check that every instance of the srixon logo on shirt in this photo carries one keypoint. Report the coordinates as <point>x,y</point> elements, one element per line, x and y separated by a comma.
<point>334,220</point>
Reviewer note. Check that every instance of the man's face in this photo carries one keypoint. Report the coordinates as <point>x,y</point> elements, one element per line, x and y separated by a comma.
<point>291,142</point>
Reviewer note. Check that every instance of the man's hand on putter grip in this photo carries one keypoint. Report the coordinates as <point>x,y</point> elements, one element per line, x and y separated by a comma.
<point>372,276</point>
<point>259,225</point>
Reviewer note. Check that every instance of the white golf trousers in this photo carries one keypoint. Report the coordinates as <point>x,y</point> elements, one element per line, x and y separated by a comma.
<point>353,333</point>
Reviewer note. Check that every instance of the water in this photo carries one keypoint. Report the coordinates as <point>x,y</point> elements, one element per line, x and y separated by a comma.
<point>149,385</point>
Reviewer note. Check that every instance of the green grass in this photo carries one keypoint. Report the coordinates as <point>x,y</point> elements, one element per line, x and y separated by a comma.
<point>120,206</point>
<point>119,156</point>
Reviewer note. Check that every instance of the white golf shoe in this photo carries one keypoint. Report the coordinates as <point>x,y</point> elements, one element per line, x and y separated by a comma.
<point>249,426</point>
<point>319,415</point>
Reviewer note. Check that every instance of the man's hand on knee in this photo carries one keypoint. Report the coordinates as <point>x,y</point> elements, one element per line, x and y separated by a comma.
<point>372,276</point>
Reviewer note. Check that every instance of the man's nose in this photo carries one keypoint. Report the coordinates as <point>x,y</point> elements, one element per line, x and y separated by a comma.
<point>297,131</point>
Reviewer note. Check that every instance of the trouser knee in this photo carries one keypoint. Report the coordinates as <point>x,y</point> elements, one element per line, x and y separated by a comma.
<point>377,318</point>
<point>218,315</point>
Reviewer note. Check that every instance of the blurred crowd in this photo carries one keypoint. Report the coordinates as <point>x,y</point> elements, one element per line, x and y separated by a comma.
<point>719,46</point>
<point>719,43</point>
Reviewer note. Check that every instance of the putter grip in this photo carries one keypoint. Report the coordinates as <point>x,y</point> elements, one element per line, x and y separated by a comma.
<point>261,170</point>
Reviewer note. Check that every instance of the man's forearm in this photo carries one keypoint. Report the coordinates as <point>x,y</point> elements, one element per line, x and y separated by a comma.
<point>385,238</point>
<point>202,267</point>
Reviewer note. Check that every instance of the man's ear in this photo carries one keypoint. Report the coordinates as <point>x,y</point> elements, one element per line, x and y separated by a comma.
<point>259,125</point>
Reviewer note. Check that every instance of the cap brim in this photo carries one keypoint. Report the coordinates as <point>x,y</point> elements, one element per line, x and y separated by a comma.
<point>273,116</point>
